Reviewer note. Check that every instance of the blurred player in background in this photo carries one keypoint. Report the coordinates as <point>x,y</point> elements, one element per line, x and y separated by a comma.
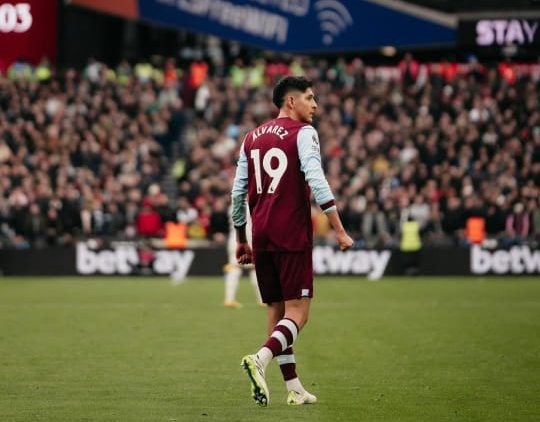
<point>280,161</point>
<point>233,270</point>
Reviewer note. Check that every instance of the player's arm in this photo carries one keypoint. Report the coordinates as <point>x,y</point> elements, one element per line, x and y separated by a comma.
<point>238,211</point>
<point>310,164</point>
<point>344,240</point>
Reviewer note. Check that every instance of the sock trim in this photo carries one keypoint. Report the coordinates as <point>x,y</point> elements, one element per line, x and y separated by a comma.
<point>279,336</point>
<point>284,359</point>
<point>291,326</point>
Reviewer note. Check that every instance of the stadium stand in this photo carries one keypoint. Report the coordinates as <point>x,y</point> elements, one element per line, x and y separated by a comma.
<point>82,152</point>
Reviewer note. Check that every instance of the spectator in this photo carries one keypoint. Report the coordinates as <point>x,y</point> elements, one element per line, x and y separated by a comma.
<point>148,221</point>
<point>114,220</point>
<point>419,211</point>
<point>54,230</point>
<point>34,227</point>
<point>534,211</point>
<point>495,221</point>
<point>409,69</point>
<point>453,221</point>
<point>517,225</point>
<point>374,227</point>
<point>219,221</point>
<point>433,230</point>
<point>185,212</point>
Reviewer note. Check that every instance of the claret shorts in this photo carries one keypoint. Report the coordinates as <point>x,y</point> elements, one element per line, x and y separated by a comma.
<point>284,275</point>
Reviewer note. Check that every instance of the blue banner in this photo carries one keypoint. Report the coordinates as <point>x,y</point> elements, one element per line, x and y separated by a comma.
<point>306,25</point>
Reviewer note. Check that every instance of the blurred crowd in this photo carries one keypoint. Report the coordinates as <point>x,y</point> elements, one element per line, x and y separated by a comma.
<point>117,152</point>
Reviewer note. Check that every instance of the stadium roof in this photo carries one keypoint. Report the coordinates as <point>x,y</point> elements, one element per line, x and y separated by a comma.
<point>297,25</point>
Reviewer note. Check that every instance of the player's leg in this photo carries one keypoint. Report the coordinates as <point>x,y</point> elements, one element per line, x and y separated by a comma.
<point>283,332</point>
<point>286,359</point>
<point>298,311</point>
<point>294,286</point>
<point>274,271</point>
<point>255,364</point>
<point>283,327</point>
<point>297,292</point>
<point>232,276</point>
<point>285,319</point>
<point>255,286</point>
<point>296,393</point>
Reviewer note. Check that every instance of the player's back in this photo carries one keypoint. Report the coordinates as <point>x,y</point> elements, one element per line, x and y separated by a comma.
<point>278,195</point>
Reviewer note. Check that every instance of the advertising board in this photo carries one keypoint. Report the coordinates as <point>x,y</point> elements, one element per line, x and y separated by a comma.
<point>28,31</point>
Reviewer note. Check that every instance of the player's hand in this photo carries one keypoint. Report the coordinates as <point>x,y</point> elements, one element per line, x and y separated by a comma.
<point>244,255</point>
<point>344,241</point>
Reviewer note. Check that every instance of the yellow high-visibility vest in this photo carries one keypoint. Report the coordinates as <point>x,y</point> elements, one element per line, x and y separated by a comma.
<point>410,236</point>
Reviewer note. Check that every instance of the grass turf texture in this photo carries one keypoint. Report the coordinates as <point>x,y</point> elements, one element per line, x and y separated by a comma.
<point>138,349</point>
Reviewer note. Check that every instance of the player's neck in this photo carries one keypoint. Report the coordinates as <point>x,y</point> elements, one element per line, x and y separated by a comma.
<point>285,113</point>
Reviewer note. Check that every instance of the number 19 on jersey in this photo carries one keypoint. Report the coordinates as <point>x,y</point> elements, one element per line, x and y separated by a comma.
<point>275,173</point>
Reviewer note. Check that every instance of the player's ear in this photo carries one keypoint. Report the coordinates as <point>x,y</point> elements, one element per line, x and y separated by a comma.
<point>291,99</point>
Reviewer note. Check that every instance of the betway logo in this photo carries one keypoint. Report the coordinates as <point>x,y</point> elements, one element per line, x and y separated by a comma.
<point>517,260</point>
<point>124,257</point>
<point>326,260</point>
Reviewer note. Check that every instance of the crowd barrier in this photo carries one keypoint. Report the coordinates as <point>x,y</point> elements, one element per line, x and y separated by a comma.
<point>131,258</point>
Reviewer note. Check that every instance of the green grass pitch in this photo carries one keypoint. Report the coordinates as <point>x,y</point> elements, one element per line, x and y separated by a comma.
<point>139,349</point>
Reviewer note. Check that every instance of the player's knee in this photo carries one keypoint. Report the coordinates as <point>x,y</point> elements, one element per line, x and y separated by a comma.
<point>304,321</point>
<point>300,319</point>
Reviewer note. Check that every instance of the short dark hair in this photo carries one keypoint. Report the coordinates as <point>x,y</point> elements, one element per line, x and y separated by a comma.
<point>288,84</point>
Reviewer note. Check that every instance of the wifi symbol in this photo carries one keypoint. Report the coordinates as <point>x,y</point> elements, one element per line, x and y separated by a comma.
<point>334,19</point>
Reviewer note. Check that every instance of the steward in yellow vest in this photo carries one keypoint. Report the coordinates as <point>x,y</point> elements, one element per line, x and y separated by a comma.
<point>410,236</point>
<point>410,246</point>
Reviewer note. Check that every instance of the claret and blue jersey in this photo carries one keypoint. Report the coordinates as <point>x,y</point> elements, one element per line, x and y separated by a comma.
<point>279,163</point>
